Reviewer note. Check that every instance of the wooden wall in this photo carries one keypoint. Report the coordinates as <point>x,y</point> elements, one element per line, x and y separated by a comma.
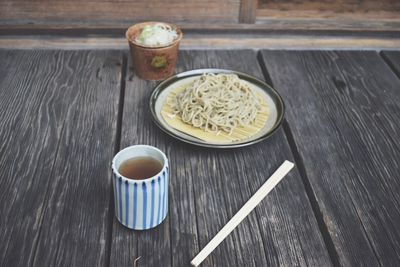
<point>375,15</point>
<point>120,11</point>
<point>352,9</point>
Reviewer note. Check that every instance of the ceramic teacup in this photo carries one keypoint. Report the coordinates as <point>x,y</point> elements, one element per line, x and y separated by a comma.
<point>140,204</point>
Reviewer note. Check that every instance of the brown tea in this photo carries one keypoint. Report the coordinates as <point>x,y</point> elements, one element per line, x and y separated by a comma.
<point>140,168</point>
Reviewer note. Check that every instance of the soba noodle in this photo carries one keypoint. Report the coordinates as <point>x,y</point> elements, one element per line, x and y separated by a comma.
<point>217,102</point>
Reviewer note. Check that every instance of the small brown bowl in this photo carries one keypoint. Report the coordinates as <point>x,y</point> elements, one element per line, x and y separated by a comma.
<point>153,62</point>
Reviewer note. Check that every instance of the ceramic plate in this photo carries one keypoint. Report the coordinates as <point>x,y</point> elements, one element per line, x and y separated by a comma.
<point>273,99</point>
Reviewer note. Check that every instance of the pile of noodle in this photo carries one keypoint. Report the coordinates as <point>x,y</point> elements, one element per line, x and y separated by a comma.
<point>216,102</point>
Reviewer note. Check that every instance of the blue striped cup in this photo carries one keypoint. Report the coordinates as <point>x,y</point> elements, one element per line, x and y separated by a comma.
<point>140,204</point>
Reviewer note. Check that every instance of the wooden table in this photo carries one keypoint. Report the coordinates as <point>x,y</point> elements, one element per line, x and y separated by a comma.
<point>64,114</point>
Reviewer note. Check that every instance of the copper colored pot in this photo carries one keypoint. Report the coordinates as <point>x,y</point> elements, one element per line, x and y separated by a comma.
<point>155,62</point>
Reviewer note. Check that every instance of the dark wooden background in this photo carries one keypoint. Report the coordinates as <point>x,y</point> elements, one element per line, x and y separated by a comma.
<point>275,14</point>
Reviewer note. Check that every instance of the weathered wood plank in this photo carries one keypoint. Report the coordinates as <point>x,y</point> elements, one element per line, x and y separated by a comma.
<point>343,109</point>
<point>393,59</point>
<point>28,142</point>
<point>388,28</point>
<point>76,220</point>
<point>183,229</point>
<point>196,42</point>
<point>208,186</point>
<point>54,184</point>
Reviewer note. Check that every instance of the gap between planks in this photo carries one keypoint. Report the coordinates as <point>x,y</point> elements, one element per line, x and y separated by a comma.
<point>311,196</point>
<point>388,62</point>
<point>116,149</point>
<point>304,178</point>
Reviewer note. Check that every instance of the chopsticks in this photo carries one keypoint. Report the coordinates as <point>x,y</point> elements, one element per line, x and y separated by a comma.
<point>261,193</point>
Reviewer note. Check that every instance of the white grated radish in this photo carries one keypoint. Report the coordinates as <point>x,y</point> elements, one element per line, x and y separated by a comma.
<point>157,35</point>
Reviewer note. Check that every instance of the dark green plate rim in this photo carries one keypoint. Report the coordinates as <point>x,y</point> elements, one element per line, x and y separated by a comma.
<point>280,106</point>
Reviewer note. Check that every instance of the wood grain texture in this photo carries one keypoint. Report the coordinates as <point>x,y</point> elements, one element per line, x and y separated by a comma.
<point>392,58</point>
<point>343,109</point>
<point>54,175</point>
<point>248,10</point>
<point>29,135</point>
<point>310,27</point>
<point>351,9</point>
<point>130,11</point>
<point>208,186</point>
<point>273,41</point>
